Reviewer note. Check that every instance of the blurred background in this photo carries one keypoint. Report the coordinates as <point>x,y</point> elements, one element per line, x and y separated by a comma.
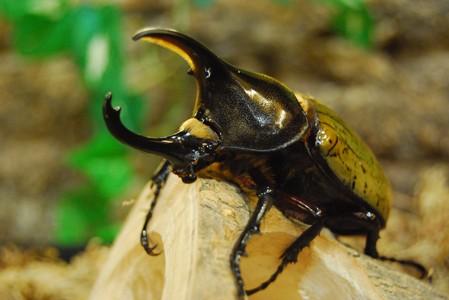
<point>383,65</point>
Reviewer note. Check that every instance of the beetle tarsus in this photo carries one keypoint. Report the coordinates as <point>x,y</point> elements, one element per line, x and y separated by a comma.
<point>423,272</point>
<point>290,255</point>
<point>145,242</point>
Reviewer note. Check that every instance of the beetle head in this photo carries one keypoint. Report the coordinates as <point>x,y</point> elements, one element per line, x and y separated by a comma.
<point>234,109</point>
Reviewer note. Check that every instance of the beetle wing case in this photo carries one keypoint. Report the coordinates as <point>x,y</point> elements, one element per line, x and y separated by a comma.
<point>347,158</point>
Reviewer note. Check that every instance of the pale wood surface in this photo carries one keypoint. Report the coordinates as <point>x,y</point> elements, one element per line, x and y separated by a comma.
<point>196,226</point>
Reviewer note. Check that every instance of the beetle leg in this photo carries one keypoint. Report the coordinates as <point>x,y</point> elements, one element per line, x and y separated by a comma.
<point>370,224</point>
<point>158,180</point>
<point>423,272</point>
<point>263,205</point>
<point>371,242</point>
<point>290,255</point>
<point>370,249</point>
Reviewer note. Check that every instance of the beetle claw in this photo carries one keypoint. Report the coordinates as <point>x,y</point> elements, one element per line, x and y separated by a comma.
<point>150,250</point>
<point>145,242</point>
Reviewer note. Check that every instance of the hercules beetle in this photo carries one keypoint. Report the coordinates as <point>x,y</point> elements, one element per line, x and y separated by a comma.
<point>293,151</point>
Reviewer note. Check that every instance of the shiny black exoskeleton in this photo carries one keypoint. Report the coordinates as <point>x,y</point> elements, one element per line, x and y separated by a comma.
<point>293,151</point>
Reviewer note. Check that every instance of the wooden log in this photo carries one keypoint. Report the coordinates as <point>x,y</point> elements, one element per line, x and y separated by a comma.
<point>196,226</point>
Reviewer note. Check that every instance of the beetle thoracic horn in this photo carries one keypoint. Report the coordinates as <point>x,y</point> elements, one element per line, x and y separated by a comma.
<point>269,113</point>
<point>168,147</point>
<point>194,53</point>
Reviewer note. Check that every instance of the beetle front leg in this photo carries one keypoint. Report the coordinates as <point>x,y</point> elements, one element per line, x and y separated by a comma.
<point>290,255</point>
<point>263,205</point>
<point>157,181</point>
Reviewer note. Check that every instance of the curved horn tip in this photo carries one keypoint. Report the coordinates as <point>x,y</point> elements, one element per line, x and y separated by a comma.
<point>149,31</point>
<point>108,109</point>
<point>108,96</point>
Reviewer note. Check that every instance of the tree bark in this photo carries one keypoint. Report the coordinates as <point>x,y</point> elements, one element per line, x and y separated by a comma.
<point>195,227</point>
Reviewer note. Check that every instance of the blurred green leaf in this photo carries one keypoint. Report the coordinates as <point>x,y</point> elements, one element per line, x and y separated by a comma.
<point>203,3</point>
<point>355,24</point>
<point>81,214</point>
<point>73,227</point>
<point>282,2</point>
<point>96,46</point>
<point>91,35</point>
<point>107,232</point>
<point>110,174</point>
<point>41,36</point>
<point>13,10</point>
<point>102,160</point>
<point>353,20</point>
<point>102,144</point>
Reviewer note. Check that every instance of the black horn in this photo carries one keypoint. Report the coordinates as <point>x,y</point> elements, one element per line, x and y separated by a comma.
<point>169,147</point>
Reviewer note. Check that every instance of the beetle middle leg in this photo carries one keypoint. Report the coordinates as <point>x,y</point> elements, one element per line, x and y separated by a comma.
<point>158,180</point>
<point>265,202</point>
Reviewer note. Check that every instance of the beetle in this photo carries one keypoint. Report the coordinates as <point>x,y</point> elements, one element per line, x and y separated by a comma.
<point>293,151</point>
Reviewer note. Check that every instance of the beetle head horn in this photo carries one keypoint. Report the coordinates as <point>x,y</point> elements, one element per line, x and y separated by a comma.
<point>183,149</point>
<point>194,53</point>
<point>248,110</point>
